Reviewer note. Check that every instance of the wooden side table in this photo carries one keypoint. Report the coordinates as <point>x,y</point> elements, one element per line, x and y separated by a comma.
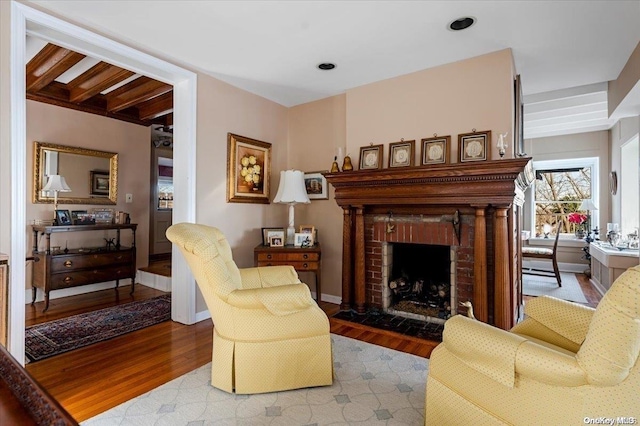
<point>303,259</point>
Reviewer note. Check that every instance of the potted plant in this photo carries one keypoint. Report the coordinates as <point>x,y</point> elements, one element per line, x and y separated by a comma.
<point>578,219</point>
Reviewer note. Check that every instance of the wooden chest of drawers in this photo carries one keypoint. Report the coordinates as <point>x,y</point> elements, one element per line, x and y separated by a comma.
<point>59,270</point>
<point>64,270</point>
<point>303,259</point>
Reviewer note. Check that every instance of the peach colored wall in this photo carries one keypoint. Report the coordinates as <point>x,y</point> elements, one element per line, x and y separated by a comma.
<point>316,131</point>
<point>48,123</point>
<point>448,100</point>
<point>223,108</point>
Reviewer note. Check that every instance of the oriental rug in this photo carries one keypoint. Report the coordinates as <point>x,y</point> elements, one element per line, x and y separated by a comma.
<point>372,385</point>
<point>533,285</point>
<point>55,337</point>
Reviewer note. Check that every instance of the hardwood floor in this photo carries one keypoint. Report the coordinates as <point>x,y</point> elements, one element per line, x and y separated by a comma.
<point>93,379</point>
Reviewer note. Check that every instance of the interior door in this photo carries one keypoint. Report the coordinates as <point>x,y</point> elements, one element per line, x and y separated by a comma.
<point>161,202</point>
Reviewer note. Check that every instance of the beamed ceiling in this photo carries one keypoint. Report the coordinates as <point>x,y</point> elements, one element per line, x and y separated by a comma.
<point>103,89</point>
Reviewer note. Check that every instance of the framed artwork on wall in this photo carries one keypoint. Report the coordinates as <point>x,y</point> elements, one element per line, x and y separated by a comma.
<point>99,182</point>
<point>474,146</point>
<point>371,157</point>
<point>401,153</point>
<point>435,150</point>
<point>316,186</point>
<point>248,170</point>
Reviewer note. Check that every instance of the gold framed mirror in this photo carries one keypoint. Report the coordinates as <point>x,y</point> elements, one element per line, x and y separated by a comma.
<point>91,175</point>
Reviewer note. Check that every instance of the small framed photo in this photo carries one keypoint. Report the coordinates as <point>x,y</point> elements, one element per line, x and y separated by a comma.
<point>267,233</point>
<point>435,150</point>
<point>307,229</point>
<point>63,217</point>
<point>316,185</point>
<point>371,157</point>
<point>99,182</point>
<point>401,153</point>
<point>303,240</point>
<point>276,241</point>
<point>74,216</point>
<point>474,146</point>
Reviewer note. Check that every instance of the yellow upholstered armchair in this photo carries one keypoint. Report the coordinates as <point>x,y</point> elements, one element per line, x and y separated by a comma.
<point>269,334</point>
<point>563,364</point>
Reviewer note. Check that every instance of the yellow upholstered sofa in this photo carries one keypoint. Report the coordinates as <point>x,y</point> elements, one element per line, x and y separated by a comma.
<point>565,364</point>
<point>269,334</point>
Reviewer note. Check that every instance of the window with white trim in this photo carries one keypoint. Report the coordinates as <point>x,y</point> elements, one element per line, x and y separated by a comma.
<point>559,190</point>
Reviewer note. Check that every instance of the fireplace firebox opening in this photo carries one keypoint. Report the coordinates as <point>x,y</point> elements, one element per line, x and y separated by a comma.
<point>418,281</point>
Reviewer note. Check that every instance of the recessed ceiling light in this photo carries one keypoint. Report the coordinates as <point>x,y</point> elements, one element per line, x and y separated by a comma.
<point>462,23</point>
<point>326,66</point>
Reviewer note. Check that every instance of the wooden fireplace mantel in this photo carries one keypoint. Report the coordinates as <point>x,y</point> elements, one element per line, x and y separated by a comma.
<point>487,182</point>
<point>476,187</point>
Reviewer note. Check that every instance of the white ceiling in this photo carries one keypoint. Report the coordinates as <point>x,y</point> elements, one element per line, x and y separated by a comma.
<point>271,48</point>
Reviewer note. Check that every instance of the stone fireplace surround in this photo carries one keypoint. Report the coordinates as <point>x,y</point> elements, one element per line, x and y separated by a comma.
<point>485,197</point>
<point>390,256</point>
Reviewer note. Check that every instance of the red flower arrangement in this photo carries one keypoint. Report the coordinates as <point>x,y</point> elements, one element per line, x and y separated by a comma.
<point>578,218</point>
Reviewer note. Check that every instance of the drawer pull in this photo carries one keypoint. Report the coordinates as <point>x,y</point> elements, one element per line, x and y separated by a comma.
<point>269,264</point>
<point>269,256</point>
<point>68,263</point>
<point>68,279</point>
<point>305,256</point>
<point>305,265</point>
<point>119,257</point>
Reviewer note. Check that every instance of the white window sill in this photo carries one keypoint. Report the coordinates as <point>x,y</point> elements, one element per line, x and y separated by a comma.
<point>562,241</point>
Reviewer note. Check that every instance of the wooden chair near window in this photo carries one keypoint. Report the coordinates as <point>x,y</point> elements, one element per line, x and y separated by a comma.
<point>543,253</point>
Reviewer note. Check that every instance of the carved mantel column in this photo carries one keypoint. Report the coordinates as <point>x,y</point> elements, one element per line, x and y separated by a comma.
<point>502,283</point>
<point>359,262</point>
<point>480,294</point>
<point>347,258</point>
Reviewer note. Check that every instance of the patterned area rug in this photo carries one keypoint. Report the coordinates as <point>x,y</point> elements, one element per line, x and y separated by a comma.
<point>372,385</point>
<point>533,285</point>
<point>66,334</point>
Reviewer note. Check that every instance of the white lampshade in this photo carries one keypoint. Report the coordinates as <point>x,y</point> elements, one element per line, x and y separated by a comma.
<point>587,205</point>
<point>291,189</point>
<point>56,183</point>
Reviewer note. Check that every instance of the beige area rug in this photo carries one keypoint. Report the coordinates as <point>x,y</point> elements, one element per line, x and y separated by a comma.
<point>534,285</point>
<point>373,386</point>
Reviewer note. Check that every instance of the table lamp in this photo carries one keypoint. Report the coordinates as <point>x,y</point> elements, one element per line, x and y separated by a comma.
<point>56,183</point>
<point>588,206</point>
<point>291,191</point>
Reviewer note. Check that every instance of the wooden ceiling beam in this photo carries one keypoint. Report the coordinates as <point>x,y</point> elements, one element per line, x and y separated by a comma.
<point>48,64</point>
<point>57,94</point>
<point>95,80</point>
<point>135,92</point>
<point>156,107</point>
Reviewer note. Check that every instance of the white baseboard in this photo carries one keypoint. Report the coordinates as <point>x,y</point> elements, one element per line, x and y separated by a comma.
<point>330,298</point>
<point>73,291</point>
<point>576,268</point>
<point>201,316</point>
<point>159,282</point>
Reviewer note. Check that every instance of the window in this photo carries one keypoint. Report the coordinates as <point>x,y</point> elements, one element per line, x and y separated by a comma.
<point>559,189</point>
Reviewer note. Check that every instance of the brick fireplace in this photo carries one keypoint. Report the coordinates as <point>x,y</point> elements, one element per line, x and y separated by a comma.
<point>409,261</point>
<point>473,208</point>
